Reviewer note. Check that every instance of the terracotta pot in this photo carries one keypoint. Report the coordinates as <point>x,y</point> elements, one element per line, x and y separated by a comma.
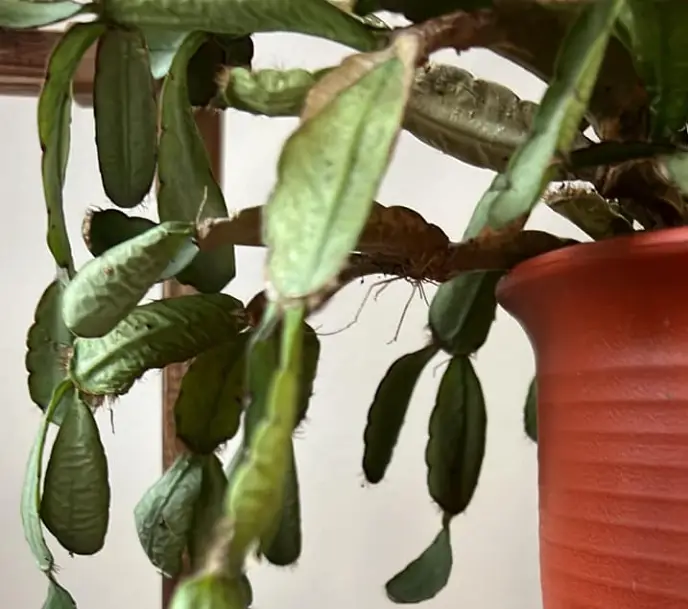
<point>609,325</point>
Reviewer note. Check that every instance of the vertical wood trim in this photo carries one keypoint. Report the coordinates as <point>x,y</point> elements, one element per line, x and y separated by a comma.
<point>210,125</point>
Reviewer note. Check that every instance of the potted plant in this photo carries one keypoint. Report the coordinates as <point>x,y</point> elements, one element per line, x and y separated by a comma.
<point>605,318</point>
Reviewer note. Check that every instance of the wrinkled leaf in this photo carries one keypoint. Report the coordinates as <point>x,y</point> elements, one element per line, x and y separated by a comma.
<point>589,211</point>
<point>388,411</point>
<point>76,494</point>
<point>208,510</point>
<point>104,229</point>
<point>512,195</point>
<point>655,30</point>
<point>456,437</point>
<point>473,120</point>
<point>241,18</point>
<point>331,167</point>
<point>462,311</point>
<point>47,342</point>
<point>427,575</point>
<point>126,117</point>
<point>530,412</point>
<point>164,515</point>
<point>268,92</point>
<point>107,288</point>
<point>188,189</point>
<point>54,118</point>
<point>208,409</point>
<point>58,597</point>
<point>31,491</point>
<point>24,14</point>
<point>152,336</point>
<point>476,121</point>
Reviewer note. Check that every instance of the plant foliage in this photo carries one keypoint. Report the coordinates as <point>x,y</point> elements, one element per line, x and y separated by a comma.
<point>618,66</point>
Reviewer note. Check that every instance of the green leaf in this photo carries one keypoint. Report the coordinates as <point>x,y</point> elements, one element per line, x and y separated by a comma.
<point>208,510</point>
<point>208,409</point>
<point>76,494</point>
<point>188,190</point>
<point>456,437</point>
<point>513,194</point>
<point>256,488</point>
<point>245,17</point>
<point>462,311</point>
<point>427,575</point>
<point>388,411</point>
<point>107,288</point>
<point>31,492</point>
<point>589,211</point>
<point>264,360</point>
<point>282,546</point>
<point>48,342</point>
<point>106,228</point>
<point>267,92</point>
<point>152,336</point>
<point>25,14</point>
<point>473,120</point>
<point>58,597</point>
<point>211,591</point>
<point>214,55</point>
<point>54,118</point>
<point>125,111</point>
<point>331,167</point>
<point>530,412</point>
<point>655,30</point>
<point>164,515</point>
<point>162,44</point>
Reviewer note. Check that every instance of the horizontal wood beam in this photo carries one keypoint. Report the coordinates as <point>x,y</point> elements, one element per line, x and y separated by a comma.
<point>23,59</point>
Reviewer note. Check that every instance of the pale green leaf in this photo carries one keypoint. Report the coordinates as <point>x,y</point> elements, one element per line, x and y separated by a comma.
<point>330,169</point>
<point>58,597</point>
<point>25,14</point>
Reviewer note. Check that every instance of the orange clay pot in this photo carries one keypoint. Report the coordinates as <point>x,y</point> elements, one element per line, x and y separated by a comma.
<point>609,325</point>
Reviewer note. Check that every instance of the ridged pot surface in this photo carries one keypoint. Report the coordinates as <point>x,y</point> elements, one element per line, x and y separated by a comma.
<point>609,325</point>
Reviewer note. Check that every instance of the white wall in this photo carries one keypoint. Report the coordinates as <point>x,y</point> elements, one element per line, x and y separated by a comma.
<point>355,537</point>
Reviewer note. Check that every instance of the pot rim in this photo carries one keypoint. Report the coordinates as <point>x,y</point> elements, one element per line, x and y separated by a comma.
<point>642,244</point>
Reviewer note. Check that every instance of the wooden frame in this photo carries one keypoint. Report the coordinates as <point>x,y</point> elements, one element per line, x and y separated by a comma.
<point>23,58</point>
